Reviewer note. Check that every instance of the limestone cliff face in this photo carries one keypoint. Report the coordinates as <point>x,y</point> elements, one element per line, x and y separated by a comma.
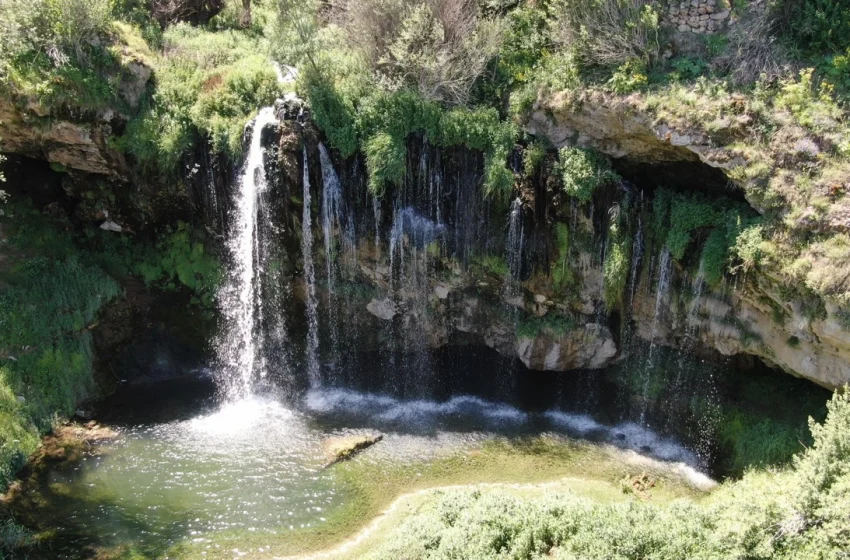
<point>757,316</point>
<point>79,144</point>
<point>552,326</point>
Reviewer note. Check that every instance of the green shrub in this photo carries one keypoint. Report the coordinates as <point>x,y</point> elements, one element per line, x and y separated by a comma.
<point>557,71</point>
<point>688,68</point>
<point>610,32</point>
<point>563,275</point>
<point>178,261</point>
<point>386,160</point>
<point>715,256</point>
<point>818,26</point>
<point>208,85</point>
<point>59,28</point>
<point>526,43</point>
<point>688,214</point>
<point>331,113</point>
<point>494,265</point>
<point>629,77</point>
<point>810,105</point>
<point>13,537</point>
<point>583,171</point>
<point>533,157</point>
<point>617,265</point>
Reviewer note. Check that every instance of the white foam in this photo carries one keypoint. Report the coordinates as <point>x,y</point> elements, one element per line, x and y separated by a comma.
<point>389,409</point>
<point>581,424</point>
<point>235,418</point>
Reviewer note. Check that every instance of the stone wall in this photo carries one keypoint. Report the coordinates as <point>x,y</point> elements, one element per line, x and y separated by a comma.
<point>702,17</point>
<point>696,16</point>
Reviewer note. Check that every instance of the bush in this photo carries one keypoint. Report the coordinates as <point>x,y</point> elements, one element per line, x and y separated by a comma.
<point>59,28</point>
<point>178,261</point>
<point>208,86</point>
<point>817,26</point>
<point>583,171</point>
<point>617,265</point>
<point>437,47</point>
<point>715,256</point>
<point>629,77</point>
<point>386,160</point>
<point>610,32</point>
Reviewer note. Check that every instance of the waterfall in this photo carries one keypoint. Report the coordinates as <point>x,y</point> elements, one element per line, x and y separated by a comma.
<point>238,348</point>
<point>310,281</point>
<point>411,265</point>
<point>334,220</point>
<point>637,257</point>
<point>514,247</point>
<point>340,248</point>
<point>516,240</point>
<point>665,272</point>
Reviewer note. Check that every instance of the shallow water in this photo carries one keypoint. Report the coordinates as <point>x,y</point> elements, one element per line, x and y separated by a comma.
<point>257,465</point>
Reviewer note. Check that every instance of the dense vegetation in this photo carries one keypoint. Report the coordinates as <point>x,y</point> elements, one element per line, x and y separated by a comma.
<point>55,287</point>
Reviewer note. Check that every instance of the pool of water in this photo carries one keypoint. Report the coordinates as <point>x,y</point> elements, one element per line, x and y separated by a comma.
<point>183,468</point>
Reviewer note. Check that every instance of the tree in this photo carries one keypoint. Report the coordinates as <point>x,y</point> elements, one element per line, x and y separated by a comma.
<point>245,19</point>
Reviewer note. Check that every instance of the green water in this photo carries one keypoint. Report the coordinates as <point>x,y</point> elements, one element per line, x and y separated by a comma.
<point>256,468</point>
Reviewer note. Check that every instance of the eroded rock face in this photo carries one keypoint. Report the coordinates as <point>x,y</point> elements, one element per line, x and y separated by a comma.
<point>755,318</point>
<point>80,144</point>
<point>590,347</point>
<point>619,129</point>
<point>76,146</point>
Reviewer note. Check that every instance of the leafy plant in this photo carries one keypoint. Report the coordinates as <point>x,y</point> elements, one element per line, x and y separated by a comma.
<point>629,77</point>
<point>583,171</point>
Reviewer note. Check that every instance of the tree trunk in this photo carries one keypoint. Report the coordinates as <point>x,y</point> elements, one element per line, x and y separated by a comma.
<point>245,19</point>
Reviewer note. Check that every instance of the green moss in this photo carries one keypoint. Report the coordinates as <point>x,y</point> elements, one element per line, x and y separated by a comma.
<point>493,265</point>
<point>51,301</point>
<point>551,324</point>
<point>617,265</point>
<point>715,256</point>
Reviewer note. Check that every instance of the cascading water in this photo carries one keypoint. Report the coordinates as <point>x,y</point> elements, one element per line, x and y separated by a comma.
<point>699,384</point>
<point>239,345</point>
<point>313,371</point>
<point>340,251</point>
<point>515,243</point>
<point>665,271</point>
<point>411,265</point>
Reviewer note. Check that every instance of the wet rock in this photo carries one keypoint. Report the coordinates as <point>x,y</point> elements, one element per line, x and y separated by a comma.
<point>109,225</point>
<point>590,347</point>
<point>382,309</point>
<point>343,448</point>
